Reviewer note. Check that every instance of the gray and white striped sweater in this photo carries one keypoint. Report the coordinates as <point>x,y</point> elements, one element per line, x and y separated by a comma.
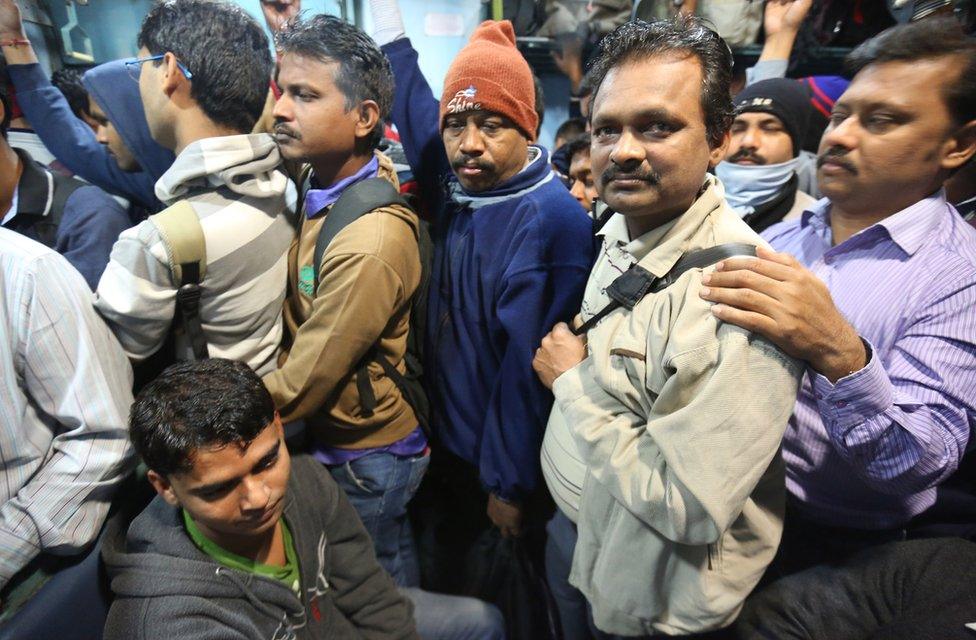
<point>245,203</point>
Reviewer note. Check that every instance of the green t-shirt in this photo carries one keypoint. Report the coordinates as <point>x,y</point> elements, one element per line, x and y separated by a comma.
<point>288,574</point>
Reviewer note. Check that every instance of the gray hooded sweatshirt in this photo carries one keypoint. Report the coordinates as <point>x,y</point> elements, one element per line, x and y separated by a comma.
<point>165,587</point>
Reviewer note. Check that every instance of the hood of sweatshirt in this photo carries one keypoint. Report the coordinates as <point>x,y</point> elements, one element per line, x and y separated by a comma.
<point>248,165</point>
<point>118,96</point>
<point>176,567</point>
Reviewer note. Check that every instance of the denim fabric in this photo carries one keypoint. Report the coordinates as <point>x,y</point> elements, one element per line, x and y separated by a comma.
<point>379,486</point>
<point>443,617</point>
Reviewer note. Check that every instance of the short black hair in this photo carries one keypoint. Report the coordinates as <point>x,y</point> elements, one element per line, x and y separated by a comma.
<point>576,145</point>
<point>223,47</point>
<point>571,128</point>
<point>68,82</point>
<point>192,405</point>
<point>925,40</point>
<point>540,102</point>
<point>364,72</point>
<point>687,34</point>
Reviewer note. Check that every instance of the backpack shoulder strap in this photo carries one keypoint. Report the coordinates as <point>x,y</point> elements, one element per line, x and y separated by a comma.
<point>355,202</point>
<point>182,234</point>
<point>631,286</point>
<point>186,246</point>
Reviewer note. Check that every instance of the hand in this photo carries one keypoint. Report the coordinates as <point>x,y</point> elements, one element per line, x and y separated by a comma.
<point>569,59</point>
<point>11,25</point>
<point>561,350</point>
<point>507,516</point>
<point>277,13</point>
<point>784,15</point>
<point>776,297</point>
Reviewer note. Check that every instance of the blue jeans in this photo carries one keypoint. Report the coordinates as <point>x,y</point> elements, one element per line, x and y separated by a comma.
<point>379,486</point>
<point>443,617</point>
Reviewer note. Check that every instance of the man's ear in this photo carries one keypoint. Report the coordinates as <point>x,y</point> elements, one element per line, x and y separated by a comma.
<point>163,487</point>
<point>368,118</point>
<point>172,77</point>
<point>717,153</point>
<point>960,147</point>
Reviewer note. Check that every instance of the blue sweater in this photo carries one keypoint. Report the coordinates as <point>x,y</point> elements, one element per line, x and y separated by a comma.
<point>508,265</point>
<point>74,143</point>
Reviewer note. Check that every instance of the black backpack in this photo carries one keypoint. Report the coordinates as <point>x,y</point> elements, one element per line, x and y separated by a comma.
<point>356,201</point>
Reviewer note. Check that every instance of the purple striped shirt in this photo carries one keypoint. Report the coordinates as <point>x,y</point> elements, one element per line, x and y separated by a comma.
<point>869,451</point>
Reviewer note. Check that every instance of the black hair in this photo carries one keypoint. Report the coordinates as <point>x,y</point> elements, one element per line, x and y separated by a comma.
<point>571,128</point>
<point>576,145</point>
<point>925,40</point>
<point>364,72</point>
<point>540,102</point>
<point>223,47</point>
<point>687,34</point>
<point>68,82</point>
<point>192,405</point>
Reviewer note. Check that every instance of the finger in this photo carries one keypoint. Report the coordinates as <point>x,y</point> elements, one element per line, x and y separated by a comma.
<point>561,330</point>
<point>748,320</point>
<point>746,299</point>
<point>744,279</point>
<point>769,268</point>
<point>775,256</point>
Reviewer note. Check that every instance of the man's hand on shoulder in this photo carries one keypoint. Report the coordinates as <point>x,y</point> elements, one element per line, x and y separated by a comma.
<point>777,297</point>
<point>561,350</point>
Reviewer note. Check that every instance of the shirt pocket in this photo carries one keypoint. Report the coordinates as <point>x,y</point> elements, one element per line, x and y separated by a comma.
<point>628,369</point>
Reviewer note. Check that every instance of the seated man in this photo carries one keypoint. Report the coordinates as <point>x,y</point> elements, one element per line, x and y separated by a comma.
<point>64,402</point>
<point>663,448</point>
<point>759,172</point>
<point>202,106</point>
<point>120,156</point>
<point>875,289</point>
<point>78,220</point>
<point>242,541</point>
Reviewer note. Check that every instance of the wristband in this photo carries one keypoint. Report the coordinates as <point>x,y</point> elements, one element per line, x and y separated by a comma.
<point>16,42</point>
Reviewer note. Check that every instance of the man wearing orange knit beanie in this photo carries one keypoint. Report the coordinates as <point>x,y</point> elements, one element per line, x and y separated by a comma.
<point>512,253</point>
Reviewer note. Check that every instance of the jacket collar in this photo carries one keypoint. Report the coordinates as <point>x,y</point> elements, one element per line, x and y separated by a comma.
<point>35,190</point>
<point>536,173</point>
<point>660,248</point>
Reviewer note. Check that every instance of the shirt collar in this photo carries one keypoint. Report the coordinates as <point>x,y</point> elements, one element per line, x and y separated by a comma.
<point>660,248</point>
<point>316,200</point>
<point>908,228</point>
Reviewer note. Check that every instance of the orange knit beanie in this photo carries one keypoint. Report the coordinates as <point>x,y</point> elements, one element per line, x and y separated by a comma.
<point>489,73</point>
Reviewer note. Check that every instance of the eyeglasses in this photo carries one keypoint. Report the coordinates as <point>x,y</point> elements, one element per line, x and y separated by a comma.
<point>134,66</point>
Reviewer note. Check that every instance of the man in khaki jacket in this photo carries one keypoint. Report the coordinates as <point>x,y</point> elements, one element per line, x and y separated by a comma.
<point>336,87</point>
<point>663,448</point>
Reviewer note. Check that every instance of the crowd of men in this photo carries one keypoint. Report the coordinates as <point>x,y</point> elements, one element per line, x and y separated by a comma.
<point>352,330</point>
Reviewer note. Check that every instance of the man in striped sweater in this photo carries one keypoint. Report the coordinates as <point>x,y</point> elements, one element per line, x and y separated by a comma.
<point>203,71</point>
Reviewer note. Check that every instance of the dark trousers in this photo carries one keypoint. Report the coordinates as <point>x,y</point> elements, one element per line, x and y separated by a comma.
<point>916,589</point>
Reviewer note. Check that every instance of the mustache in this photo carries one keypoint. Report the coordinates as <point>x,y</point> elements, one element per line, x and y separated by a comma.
<point>747,154</point>
<point>281,128</point>
<point>836,156</point>
<point>647,175</point>
<point>477,163</point>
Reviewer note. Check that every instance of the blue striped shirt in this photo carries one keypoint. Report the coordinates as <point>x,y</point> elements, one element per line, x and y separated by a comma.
<point>64,403</point>
<point>868,451</point>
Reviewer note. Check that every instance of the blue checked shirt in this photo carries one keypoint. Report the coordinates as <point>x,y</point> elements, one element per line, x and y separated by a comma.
<point>64,402</point>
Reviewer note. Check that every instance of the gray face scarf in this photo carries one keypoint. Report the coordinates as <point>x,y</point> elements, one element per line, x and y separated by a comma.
<point>750,186</point>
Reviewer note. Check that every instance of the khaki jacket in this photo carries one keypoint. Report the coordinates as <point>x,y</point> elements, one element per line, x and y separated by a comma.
<point>678,418</point>
<point>367,278</point>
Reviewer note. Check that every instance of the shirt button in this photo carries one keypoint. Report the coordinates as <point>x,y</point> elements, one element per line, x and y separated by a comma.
<point>840,405</point>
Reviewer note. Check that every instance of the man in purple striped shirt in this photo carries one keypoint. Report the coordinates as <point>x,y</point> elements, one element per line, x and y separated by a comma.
<point>875,288</point>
